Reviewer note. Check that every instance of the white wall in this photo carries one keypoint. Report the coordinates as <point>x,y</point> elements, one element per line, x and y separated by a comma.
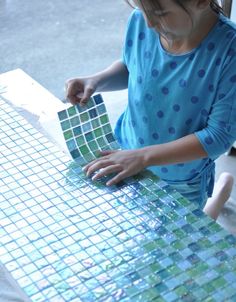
<point>233,11</point>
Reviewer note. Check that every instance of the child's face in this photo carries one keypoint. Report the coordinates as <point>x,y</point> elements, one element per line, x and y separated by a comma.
<point>170,20</point>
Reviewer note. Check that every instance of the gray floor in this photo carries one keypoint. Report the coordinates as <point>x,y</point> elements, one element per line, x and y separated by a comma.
<point>54,40</point>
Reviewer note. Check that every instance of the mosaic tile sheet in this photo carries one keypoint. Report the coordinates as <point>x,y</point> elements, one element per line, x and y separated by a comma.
<point>87,129</point>
<point>65,238</point>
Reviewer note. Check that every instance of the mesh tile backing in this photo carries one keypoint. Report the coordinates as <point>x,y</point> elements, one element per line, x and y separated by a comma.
<point>66,238</point>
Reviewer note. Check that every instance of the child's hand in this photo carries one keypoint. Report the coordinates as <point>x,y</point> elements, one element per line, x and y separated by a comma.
<point>124,163</point>
<point>78,91</point>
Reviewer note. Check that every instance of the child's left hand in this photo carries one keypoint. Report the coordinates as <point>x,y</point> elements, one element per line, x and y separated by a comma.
<point>123,162</point>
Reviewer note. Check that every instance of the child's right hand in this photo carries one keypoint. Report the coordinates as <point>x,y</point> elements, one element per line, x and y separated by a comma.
<point>79,90</point>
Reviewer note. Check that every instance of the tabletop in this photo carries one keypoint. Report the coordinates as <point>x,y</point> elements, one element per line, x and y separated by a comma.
<point>66,238</point>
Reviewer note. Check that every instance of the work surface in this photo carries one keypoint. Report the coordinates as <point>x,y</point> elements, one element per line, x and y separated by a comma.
<point>65,238</point>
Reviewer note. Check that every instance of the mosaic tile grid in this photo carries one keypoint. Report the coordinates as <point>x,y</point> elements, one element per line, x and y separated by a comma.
<point>65,238</point>
<point>87,129</point>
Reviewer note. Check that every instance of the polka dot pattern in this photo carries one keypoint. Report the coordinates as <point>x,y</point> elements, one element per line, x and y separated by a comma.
<point>145,119</point>
<point>204,112</point>
<point>233,79</point>
<point>221,96</point>
<point>141,36</point>
<point>211,46</point>
<point>155,73</point>
<point>201,73</point>
<point>164,170</point>
<point>155,136</point>
<point>141,141</point>
<point>211,87</point>
<point>188,122</point>
<point>176,108</point>
<point>165,90</point>
<point>147,55</point>
<point>173,65</point>
<point>160,114</point>
<point>171,130</point>
<point>182,83</point>
<point>209,140</point>
<point>133,123</point>
<point>171,95</point>
<point>231,52</point>
<point>222,124</point>
<point>148,97</point>
<point>194,99</point>
<point>192,56</point>
<point>130,43</point>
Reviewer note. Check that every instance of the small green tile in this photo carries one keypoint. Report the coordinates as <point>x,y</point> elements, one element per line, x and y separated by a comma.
<point>101,109</point>
<point>179,245</point>
<point>84,149</point>
<point>68,134</point>
<point>161,288</point>
<point>180,291</point>
<point>75,154</point>
<point>72,111</point>
<point>174,270</point>
<point>89,136</point>
<point>75,121</point>
<point>65,125</point>
<point>155,267</point>
<point>86,127</point>
<point>190,218</point>
<point>62,115</point>
<point>84,117</point>
<point>77,131</point>
<point>80,140</point>
<point>93,146</point>
<point>222,244</point>
<point>101,142</point>
<point>90,103</point>
<point>104,119</point>
<point>98,132</point>
<point>219,282</point>
<point>89,157</point>
<point>96,123</point>
<point>208,288</point>
<point>107,129</point>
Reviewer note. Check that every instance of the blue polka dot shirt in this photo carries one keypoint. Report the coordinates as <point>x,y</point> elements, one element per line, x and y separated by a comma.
<point>173,95</point>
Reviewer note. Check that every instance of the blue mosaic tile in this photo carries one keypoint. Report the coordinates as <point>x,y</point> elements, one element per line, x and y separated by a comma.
<point>66,238</point>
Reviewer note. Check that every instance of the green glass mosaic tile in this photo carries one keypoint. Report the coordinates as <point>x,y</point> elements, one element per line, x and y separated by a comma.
<point>89,126</point>
<point>66,238</point>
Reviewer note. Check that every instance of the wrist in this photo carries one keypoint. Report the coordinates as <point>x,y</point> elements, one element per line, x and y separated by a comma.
<point>152,156</point>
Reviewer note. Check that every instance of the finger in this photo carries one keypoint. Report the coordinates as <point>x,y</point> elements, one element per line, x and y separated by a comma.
<point>97,166</point>
<point>106,171</point>
<point>107,152</point>
<point>116,179</point>
<point>103,154</point>
<point>74,100</point>
<point>85,168</point>
<point>88,91</point>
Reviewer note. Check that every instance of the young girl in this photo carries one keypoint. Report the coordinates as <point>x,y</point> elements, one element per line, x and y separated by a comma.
<point>179,64</point>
